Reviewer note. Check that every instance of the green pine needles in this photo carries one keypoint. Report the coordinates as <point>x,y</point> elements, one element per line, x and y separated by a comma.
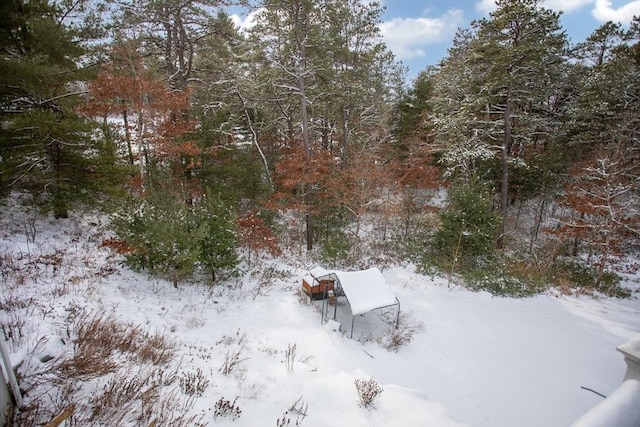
<point>468,227</point>
<point>171,238</point>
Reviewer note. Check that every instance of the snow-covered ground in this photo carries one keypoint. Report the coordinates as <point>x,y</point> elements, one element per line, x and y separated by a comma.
<point>474,359</point>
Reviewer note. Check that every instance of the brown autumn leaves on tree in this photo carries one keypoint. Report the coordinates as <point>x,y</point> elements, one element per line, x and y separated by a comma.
<point>155,120</point>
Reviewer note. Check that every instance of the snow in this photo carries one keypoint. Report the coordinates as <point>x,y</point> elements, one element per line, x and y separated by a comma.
<point>366,290</point>
<point>315,273</point>
<point>620,410</point>
<point>479,361</point>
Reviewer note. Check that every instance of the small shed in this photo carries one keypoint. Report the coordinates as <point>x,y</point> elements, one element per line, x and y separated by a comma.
<point>364,290</point>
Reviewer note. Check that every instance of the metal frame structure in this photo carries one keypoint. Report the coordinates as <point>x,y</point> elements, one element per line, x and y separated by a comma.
<point>339,291</point>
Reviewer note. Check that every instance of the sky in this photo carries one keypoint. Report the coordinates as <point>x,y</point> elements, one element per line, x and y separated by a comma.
<point>419,32</point>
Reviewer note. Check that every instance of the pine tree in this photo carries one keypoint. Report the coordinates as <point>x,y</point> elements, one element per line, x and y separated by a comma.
<point>162,231</point>
<point>47,147</point>
<point>468,226</point>
<point>218,243</point>
<point>327,74</point>
<point>601,191</point>
<point>504,74</point>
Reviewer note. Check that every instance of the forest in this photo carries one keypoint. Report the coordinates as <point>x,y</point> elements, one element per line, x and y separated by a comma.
<point>512,166</point>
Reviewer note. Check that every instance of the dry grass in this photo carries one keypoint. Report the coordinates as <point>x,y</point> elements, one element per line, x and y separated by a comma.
<point>401,335</point>
<point>227,408</point>
<point>297,411</point>
<point>15,312</point>
<point>116,374</point>
<point>99,338</point>
<point>193,383</point>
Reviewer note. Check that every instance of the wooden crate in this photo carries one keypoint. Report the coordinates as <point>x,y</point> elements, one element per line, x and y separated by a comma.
<point>316,289</point>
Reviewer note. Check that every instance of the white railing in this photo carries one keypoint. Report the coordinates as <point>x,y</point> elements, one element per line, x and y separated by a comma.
<point>8,380</point>
<point>622,407</point>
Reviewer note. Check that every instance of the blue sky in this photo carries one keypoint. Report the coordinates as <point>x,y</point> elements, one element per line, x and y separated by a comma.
<point>419,32</point>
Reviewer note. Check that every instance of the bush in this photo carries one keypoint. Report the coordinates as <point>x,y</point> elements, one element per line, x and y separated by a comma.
<point>497,282</point>
<point>403,333</point>
<point>585,277</point>
<point>368,391</point>
<point>227,408</point>
<point>162,232</point>
<point>336,248</point>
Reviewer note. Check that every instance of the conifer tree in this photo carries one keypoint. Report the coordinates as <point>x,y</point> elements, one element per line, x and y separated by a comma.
<point>503,74</point>
<point>218,243</point>
<point>46,147</point>
<point>327,74</point>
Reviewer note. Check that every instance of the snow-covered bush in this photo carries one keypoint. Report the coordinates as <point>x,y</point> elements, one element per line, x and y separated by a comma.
<point>403,333</point>
<point>584,278</point>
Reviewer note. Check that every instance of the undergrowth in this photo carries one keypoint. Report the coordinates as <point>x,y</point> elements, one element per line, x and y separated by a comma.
<point>100,353</point>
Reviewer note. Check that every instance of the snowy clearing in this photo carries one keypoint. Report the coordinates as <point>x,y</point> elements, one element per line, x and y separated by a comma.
<point>473,359</point>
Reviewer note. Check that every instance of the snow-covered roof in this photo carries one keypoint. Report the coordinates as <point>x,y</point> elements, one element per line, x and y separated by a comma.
<point>366,290</point>
<point>315,273</point>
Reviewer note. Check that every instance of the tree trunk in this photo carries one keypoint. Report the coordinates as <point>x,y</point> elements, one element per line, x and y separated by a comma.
<point>504,163</point>
<point>306,137</point>
<point>127,136</point>
<point>254,135</point>
<point>345,134</point>
<point>54,151</point>
<point>309,231</point>
<point>602,264</point>
<point>538,221</point>
<point>576,240</point>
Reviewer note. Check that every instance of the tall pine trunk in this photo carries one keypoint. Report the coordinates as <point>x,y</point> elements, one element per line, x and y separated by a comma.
<point>504,163</point>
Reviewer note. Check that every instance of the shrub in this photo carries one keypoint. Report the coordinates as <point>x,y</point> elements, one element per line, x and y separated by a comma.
<point>585,277</point>
<point>226,408</point>
<point>403,333</point>
<point>96,376</point>
<point>368,391</point>
<point>193,383</point>
<point>169,237</point>
<point>162,232</point>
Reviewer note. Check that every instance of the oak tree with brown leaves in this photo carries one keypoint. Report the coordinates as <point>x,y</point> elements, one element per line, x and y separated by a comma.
<point>154,122</point>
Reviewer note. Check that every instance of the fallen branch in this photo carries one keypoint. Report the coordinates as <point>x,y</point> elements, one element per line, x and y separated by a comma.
<point>66,413</point>
<point>593,391</point>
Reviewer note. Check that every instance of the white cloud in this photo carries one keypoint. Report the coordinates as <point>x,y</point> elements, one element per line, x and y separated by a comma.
<point>407,37</point>
<point>486,6</point>
<point>566,5</point>
<point>604,11</point>
<point>245,22</point>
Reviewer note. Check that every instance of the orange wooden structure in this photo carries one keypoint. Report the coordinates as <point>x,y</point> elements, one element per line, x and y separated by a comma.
<point>317,284</point>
